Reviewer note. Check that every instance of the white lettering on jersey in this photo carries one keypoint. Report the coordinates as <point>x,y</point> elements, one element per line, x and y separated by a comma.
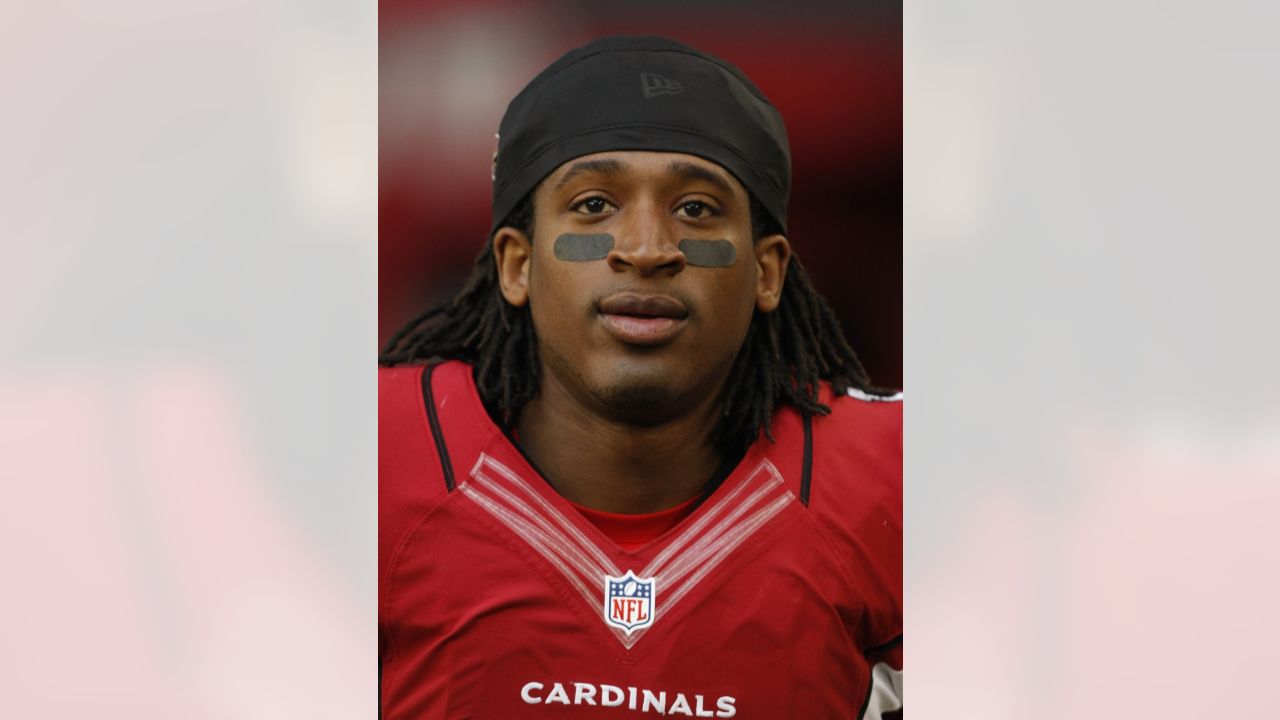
<point>584,692</point>
<point>558,695</point>
<point>658,701</point>
<point>611,695</point>
<point>640,699</point>
<point>526,693</point>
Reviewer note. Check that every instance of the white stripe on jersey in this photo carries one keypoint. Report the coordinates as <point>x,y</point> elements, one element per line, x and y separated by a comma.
<point>486,461</point>
<point>708,515</point>
<point>868,397</point>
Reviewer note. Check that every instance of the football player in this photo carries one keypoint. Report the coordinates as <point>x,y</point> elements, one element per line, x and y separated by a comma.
<point>633,467</point>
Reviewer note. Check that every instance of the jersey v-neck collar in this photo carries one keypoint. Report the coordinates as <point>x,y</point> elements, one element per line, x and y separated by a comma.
<point>717,478</point>
<point>505,446</point>
<point>505,485</point>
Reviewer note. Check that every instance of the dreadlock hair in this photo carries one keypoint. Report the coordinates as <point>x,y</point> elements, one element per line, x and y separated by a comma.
<point>785,356</point>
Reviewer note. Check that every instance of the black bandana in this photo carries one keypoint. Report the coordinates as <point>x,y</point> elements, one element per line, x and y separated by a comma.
<point>641,93</point>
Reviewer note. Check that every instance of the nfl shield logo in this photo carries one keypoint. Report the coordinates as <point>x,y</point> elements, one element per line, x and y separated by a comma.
<point>628,601</point>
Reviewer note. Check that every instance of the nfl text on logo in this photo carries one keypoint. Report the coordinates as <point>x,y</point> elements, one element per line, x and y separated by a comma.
<point>629,601</point>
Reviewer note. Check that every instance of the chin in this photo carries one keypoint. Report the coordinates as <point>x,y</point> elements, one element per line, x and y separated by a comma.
<point>641,394</point>
<point>639,403</point>
<point>647,390</point>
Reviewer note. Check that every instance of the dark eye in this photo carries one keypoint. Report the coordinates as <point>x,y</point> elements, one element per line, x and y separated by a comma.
<point>694,209</point>
<point>593,206</point>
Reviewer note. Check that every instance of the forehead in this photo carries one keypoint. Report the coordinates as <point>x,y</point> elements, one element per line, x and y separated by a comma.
<point>643,166</point>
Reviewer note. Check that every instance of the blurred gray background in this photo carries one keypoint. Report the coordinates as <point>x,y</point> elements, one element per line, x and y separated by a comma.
<point>188,299</point>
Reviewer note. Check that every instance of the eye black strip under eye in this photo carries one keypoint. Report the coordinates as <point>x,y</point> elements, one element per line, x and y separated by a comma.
<point>581,248</point>
<point>709,253</point>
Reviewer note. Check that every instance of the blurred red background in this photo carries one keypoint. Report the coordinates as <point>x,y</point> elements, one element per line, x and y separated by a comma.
<point>448,68</point>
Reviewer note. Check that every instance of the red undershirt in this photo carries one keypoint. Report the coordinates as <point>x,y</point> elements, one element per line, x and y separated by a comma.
<point>632,531</point>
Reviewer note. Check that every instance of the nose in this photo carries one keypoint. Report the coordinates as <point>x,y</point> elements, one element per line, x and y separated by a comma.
<point>646,244</point>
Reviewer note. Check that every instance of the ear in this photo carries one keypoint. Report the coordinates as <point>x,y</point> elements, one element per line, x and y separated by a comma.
<point>512,251</point>
<point>773,254</point>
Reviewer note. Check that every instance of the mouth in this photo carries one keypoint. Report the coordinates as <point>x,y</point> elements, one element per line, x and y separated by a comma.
<point>642,319</point>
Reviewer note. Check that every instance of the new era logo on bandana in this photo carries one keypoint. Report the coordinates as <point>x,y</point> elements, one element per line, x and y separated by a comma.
<point>655,85</point>
<point>628,602</point>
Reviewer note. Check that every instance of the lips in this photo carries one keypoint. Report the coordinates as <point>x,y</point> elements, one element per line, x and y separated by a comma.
<point>650,306</point>
<point>642,319</point>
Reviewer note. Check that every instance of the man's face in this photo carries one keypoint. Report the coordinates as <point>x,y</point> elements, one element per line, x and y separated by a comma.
<point>642,277</point>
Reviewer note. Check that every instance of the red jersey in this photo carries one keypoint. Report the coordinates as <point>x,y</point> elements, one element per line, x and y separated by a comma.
<point>780,596</point>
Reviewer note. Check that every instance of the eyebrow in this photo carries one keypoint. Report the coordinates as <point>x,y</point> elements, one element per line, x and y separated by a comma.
<point>683,169</point>
<point>598,167</point>
<point>689,171</point>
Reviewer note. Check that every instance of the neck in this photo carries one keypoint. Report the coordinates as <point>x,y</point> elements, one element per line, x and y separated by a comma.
<point>616,466</point>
